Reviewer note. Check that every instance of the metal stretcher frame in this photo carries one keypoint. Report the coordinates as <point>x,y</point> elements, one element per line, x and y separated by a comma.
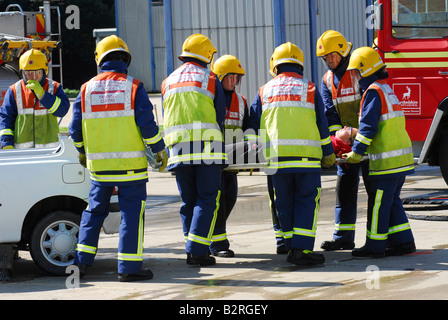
<point>241,150</point>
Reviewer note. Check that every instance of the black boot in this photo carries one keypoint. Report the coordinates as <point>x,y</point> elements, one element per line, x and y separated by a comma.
<point>337,245</point>
<point>305,257</point>
<point>144,274</point>
<point>82,269</point>
<point>224,253</point>
<point>363,252</point>
<point>281,249</point>
<point>401,249</point>
<point>203,261</point>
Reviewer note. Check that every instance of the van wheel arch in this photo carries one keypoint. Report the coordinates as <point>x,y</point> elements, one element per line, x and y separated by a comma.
<point>46,206</point>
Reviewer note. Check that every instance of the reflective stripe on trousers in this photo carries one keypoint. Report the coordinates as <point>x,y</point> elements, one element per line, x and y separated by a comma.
<point>132,201</point>
<point>387,224</point>
<point>138,255</point>
<point>297,198</point>
<point>199,188</point>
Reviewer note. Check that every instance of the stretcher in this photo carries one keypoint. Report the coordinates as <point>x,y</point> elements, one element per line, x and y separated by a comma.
<point>246,155</point>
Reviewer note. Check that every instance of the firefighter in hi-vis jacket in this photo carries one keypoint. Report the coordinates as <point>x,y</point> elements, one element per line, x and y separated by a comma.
<point>230,72</point>
<point>112,124</point>
<point>382,135</point>
<point>296,143</point>
<point>28,116</point>
<point>194,106</point>
<point>341,96</point>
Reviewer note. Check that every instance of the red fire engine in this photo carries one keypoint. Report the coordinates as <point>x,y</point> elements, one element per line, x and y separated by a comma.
<point>412,38</point>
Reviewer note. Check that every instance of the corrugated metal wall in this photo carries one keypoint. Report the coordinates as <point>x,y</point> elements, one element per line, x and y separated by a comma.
<point>244,28</point>
<point>297,22</point>
<point>345,16</point>
<point>133,27</point>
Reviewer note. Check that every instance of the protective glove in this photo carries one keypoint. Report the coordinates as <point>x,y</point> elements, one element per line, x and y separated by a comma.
<point>35,86</point>
<point>82,159</point>
<point>162,156</point>
<point>8,148</point>
<point>328,161</point>
<point>352,157</point>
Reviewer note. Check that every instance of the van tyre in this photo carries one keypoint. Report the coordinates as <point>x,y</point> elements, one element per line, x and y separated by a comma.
<point>53,241</point>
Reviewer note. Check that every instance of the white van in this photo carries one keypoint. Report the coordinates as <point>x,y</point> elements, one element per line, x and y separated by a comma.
<point>43,193</point>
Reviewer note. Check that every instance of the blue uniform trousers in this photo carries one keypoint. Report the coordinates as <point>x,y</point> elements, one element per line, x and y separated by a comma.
<point>347,199</point>
<point>275,221</point>
<point>387,223</point>
<point>132,202</point>
<point>227,200</point>
<point>297,198</point>
<point>199,188</point>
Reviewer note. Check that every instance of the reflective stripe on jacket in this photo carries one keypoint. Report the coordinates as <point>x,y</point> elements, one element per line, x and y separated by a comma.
<point>346,98</point>
<point>289,118</point>
<point>112,139</point>
<point>390,150</point>
<point>233,122</point>
<point>35,126</point>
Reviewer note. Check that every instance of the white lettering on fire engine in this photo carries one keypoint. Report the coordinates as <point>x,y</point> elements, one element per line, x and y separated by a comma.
<point>409,96</point>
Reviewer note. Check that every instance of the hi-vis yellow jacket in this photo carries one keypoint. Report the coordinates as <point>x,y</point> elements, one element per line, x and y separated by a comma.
<point>292,139</point>
<point>26,121</point>
<point>190,116</point>
<point>390,149</point>
<point>113,143</point>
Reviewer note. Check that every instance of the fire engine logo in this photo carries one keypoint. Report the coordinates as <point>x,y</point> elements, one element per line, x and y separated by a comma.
<point>409,95</point>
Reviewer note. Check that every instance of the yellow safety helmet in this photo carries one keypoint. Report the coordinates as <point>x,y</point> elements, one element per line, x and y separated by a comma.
<point>198,46</point>
<point>332,41</point>
<point>366,60</point>
<point>33,60</point>
<point>286,53</point>
<point>227,64</point>
<point>111,44</point>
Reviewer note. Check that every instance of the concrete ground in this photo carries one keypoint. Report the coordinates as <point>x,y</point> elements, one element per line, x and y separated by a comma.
<point>256,272</point>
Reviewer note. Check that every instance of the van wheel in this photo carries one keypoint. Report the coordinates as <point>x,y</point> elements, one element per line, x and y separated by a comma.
<point>53,241</point>
<point>443,158</point>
